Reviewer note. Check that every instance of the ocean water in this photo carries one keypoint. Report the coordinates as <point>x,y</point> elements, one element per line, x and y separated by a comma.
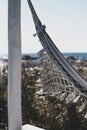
<point>76,54</point>
<point>34,55</point>
<point>67,54</point>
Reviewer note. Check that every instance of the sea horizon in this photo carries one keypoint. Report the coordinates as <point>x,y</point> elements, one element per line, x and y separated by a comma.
<point>66,54</point>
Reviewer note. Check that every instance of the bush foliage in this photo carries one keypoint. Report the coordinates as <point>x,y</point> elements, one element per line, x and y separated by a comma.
<point>40,110</point>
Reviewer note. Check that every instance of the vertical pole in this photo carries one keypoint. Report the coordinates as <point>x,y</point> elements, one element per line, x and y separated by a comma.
<point>14,65</point>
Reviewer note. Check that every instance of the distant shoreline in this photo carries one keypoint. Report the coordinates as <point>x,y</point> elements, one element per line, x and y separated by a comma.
<point>76,54</point>
<point>35,55</point>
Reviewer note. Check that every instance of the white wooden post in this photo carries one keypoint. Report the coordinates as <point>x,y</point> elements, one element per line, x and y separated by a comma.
<point>14,65</point>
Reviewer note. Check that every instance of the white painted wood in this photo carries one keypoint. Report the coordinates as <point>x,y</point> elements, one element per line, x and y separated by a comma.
<point>30,127</point>
<point>14,65</point>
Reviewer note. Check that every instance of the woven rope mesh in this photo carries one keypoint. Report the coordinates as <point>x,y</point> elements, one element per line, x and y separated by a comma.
<point>56,84</point>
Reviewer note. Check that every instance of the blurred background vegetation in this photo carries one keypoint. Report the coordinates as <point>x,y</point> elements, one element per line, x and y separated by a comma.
<point>38,109</point>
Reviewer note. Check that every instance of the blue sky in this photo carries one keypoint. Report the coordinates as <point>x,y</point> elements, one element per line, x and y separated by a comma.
<point>65,20</point>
